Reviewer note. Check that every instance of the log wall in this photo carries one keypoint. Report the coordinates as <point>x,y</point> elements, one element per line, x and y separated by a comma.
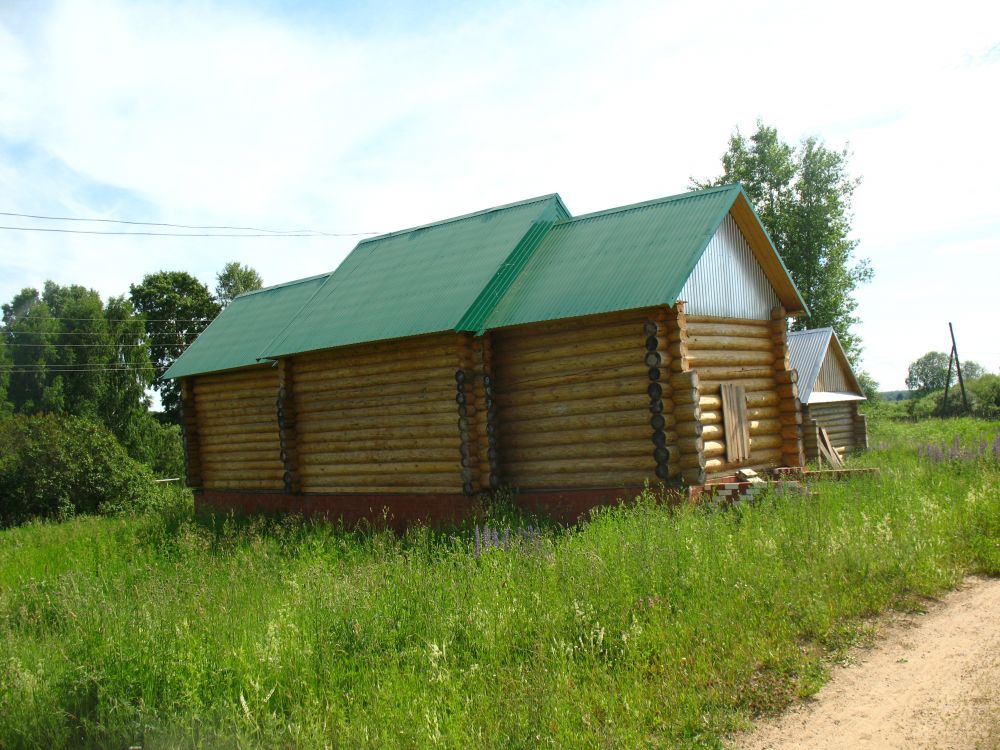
<point>584,403</point>
<point>848,429</point>
<point>382,417</point>
<point>237,431</point>
<point>753,354</point>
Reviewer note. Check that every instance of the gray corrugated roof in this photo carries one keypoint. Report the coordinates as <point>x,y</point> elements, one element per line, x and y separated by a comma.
<point>806,352</point>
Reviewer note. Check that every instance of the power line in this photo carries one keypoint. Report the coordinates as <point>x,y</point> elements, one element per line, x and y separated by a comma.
<point>172,234</point>
<point>259,232</point>
<point>175,334</point>
<point>118,320</point>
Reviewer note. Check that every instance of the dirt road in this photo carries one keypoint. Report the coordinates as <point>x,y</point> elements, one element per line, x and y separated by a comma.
<point>931,681</point>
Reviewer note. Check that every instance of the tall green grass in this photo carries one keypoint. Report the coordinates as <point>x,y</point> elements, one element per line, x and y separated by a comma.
<point>645,627</point>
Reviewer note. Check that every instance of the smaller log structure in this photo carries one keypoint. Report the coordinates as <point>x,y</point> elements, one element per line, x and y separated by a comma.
<point>831,393</point>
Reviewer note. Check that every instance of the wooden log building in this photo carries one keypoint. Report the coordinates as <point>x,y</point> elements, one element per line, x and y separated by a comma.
<point>572,358</point>
<point>829,391</point>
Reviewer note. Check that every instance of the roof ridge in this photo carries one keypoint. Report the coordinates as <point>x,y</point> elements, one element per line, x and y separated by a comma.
<point>282,285</point>
<point>463,217</point>
<point>820,329</point>
<point>655,201</point>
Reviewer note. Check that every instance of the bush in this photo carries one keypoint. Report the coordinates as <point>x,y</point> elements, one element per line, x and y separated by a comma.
<point>55,467</point>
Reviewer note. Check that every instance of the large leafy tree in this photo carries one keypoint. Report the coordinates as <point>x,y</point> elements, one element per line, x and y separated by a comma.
<point>66,352</point>
<point>931,373</point>
<point>176,307</point>
<point>234,280</point>
<point>803,197</point>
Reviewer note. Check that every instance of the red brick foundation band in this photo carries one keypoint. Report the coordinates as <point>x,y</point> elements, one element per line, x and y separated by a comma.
<point>399,511</point>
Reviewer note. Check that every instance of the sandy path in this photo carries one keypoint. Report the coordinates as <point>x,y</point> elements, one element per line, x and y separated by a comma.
<point>931,681</point>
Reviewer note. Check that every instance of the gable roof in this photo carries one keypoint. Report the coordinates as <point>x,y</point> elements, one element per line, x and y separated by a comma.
<point>634,256</point>
<point>439,277</point>
<point>519,263</point>
<point>807,352</point>
<point>236,336</point>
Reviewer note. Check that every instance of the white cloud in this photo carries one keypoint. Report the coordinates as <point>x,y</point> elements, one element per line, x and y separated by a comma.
<point>199,113</point>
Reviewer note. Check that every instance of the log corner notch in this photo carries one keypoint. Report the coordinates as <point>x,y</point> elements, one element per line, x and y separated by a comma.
<point>685,398</point>
<point>786,379</point>
<point>660,390</point>
<point>476,415</point>
<point>192,442</point>
<point>287,434</point>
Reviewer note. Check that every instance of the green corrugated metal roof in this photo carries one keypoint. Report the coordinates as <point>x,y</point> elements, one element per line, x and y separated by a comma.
<point>440,277</point>
<point>235,338</point>
<point>625,258</point>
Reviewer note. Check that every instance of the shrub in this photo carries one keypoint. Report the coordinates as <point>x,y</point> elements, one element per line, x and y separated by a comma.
<point>55,467</point>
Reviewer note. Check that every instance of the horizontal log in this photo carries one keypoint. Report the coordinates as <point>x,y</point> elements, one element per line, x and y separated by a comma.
<point>251,440</point>
<point>764,442</point>
<point>790,432</point>
<point>691,429</point>
<point>211,465</point>
<point>205,399</point>
<point>576,465</point>
<point>215,425</point>
<point>260,374</point>
<point>681,397</point>
<point>559,392</point>
<point>339,433</point>
<point>510,426</point>
<point>720,320</point>
<point>335,360</point>
<point>638,433</point>
<point>788,390</point>
<point>690,445</point>
<point>343,443</point>
<point>714,448</point>
<point>314,454</point>
<point>245,484</point>
<point>634,478</point>
<point>700,358</point>
<point>681,380</point>
<point>687,412</point>
<point>763,398</point>
<point>415,391</point>
<point>786,376</point>
<point>447,363</point>
<point>515,345</point>
<point>406,344</point>
<point>611,404</point>
<point>744,330</point>
<point>634,450</point>
<point>239,474</point>
<point>513,355</point>
<point>763,458</point>
<point>429,377</point>
<point>265,407</point>
<point>751,385</point>
<point>215,453</point>
<point>729,343</point>
<point>726,374</point>
<point>320,465</point>
<point>714,431</point>
<point>692,461</point>
<point>387,409</point>
<point>312,423</point>
<point>536,377</point>
<point>571,362</point>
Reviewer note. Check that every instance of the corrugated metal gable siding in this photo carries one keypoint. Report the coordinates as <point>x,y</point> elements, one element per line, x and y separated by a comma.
<point>832,376</point>
<point>410,283</point>
<point>728,281</point>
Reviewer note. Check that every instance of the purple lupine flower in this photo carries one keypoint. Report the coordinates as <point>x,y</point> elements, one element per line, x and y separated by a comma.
<point>496,539</point>
<point>479,545</point>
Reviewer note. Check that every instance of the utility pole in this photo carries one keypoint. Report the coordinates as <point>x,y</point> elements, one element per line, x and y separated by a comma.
<point>958,368</point>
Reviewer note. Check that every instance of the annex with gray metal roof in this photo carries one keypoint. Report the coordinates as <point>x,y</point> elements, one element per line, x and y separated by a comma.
<point>825,374</point>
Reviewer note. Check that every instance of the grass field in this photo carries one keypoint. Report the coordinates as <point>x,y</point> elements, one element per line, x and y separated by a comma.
<point>646,627</point>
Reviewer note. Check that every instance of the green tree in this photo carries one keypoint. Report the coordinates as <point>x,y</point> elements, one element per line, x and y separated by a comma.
<point>234,280</point>
<point>176,307</point>
<point>972,370</point>
<point>929,373</point>
<point>803,197</point>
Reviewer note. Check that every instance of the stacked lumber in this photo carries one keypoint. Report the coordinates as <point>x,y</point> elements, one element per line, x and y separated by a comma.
<point>380,417</point>
<point>742,352</point>
<point>578,404</point>
<point>237,431</point>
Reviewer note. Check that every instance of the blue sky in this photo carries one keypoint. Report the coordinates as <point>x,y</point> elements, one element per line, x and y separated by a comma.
<point>378,116</point>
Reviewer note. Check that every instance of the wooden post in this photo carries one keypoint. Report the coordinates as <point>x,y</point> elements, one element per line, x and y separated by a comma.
<point>287,433</point>
<point>468,416</point>
<point>192,441</point>
<point>788,390</point>
<point>958,368</point>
